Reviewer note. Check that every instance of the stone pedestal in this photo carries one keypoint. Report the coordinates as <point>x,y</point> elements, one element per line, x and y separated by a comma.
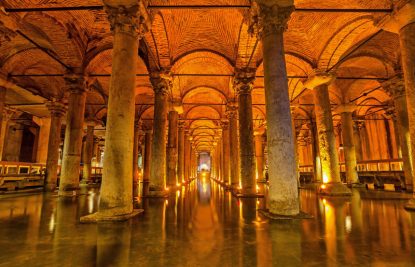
<point>172,153</point>
<point>116,202</point>
<point>243,84</point>
<point>232,113</point>
<point>283,185</point>
<point>70,170</point>
<point>57,111</point>
<point>332,184</point>
<point>226,152</point>
<point>161,83</point>
<point>345,112</point>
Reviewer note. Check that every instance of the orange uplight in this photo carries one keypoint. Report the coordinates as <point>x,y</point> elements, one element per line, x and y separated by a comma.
<point>323,186</point>
<point>178,184</point>
<point>167,189</point>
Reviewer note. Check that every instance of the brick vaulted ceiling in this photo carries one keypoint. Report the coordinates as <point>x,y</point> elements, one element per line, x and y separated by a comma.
<point>208,41</point>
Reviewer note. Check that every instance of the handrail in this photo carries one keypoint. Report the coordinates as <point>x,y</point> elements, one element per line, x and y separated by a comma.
<point>390,165</point>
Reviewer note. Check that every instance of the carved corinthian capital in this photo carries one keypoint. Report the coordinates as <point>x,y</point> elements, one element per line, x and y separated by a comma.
<point>395,87</point>
<point>244,81</point>
<point>133,20</point>
<point>161,81</point>
<point>265,20</point>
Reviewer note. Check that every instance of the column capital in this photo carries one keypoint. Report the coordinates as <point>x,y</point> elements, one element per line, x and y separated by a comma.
<point>181,125</point>
<point>133,20</point>
<point>390,113</point>
<point>92,122</point>
<point>345,108</point>
<point>162,81</point>
<point>265,19</point>
<point>403,14</point>
<point>319,78</point>
<point>224,123</point>
<point>231,110</point>
<point>8,26</point>
<point>56,108</point>
<point>244,80</point>
<point>395,87</point>
<point>75,83</point>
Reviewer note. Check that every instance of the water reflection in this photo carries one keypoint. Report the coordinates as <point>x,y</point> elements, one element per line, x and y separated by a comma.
<point>204,225</point>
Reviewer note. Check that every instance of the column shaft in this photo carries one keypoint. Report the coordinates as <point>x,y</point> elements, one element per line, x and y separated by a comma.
<point>180,162</point>
<point>172,152</point>
<point>136,151</point>
<point>246,136</point>
<point>147,160</point>
<point>259,156</point>
<point>187,148</point>
<point>226,153</point>
<point>349,148</point>
<point>234,153</point>
<point>70,171</point>
<point>87,155</point>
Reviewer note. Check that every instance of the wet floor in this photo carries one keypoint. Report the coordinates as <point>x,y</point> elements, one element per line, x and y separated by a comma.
<point>202,225</point>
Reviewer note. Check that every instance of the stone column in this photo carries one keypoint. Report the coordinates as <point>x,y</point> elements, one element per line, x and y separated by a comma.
<point>326,138</point>
<point>43,139</point>
<point>181,147</point>
<point>259,155</point>
<point>231,112</point>
<point>187,148</point>
<point>172,152</point>
<point>243,84</point>
<point>345,112</point>
<point>128,25</point>
<point>147,160</point>
<point>136,151</point>
<point>161,84</point>
<point>357,141</point>
<point>226,152</point>
<point>88,152</point>
<point>282,167</point>
<point>7,114</point>
<point>70,170</point>
<point>396,89</point>
<point>57,111</point>
<point>316,157</point>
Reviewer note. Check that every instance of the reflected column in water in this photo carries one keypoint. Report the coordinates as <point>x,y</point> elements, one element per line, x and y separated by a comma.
<point>113,244</point>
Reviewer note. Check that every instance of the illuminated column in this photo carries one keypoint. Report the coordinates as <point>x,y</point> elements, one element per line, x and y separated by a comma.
<point>57,111</point>
<point>327,143</point>
<point>172,149</point>
<point>128,25</point>
<point>243,84</point>
<point>69,179</point>
<point>345,112</point>
<point>187,151</point>
<point>396,89</point>
<point>43,139</point>
<point>270,24</point>
<point>232,113</point>
<point>88,151</point>
<point>357,141</point>
<point>316,157</point>
<point>161,85</point>
<point>402,21</point>
<point>181,148</point>
<point>136,151</point>
<point>259,155</point>
<point>147,160</point>
<point>226,151</point>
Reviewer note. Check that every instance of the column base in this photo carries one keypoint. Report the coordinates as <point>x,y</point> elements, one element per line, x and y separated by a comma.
<point>273,216</point>
<point>334,189</point>
<point>99,217</point>
<point>410,205</point>
<point>356,185</point>
<point>50,188</point>
<point>157,194</point>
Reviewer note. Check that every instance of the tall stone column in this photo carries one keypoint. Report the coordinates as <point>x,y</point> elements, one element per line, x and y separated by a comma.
<point>57,111</point>
<point>128,24</point>
<point>345,112</point>
<point>226,152</point>
<point>70,170</point>
<point>243,84</point>
<point>259,155</point>
<point>136,151</point>
<point>161,85</point>
<point>172,152</point>
<point>326,137</point>
<point>147,160</point>
<point>181,148</point>
<point>396,89</point>
<point>7,114</point>
<point>357,141</point>
<point>270,24</point>
<point>88,152</point>
<point>187,148</point>
<point>314,145</point>
<point>42,139</point>
<point>232,112</point>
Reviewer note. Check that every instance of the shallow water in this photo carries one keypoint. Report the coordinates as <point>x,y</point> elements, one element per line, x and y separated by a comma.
<point>202,225</point>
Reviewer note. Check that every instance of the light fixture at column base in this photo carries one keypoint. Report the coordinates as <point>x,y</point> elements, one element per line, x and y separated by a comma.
<point>410,205</point>
<point>157,194</point>
<point>98,217</point>
<point>273,216</point>
<point>334,189</point>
